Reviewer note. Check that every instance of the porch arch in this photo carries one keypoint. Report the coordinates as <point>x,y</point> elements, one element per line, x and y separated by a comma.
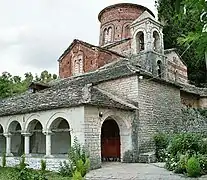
<point>37,141</point>
<point>2,140</point>
<point>122,138</point>
<point>61,137</point>
<point>17,140</point>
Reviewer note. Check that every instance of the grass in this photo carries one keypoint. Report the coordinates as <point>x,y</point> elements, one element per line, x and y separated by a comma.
<point>8,173</point>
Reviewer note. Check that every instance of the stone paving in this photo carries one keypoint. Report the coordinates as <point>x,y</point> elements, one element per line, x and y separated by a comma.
<point>121,171</point>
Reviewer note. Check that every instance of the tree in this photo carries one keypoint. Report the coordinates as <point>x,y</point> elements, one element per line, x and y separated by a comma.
<point>178,25</point>
<point>14,85</point>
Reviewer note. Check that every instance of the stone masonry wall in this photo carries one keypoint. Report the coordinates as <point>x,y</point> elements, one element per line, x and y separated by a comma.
<point>93,124</point>
<point>123,87</point>
<point>52,164</point>
<point>159,110</point>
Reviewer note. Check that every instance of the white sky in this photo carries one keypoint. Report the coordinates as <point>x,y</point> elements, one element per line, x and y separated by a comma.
<point>34,33</point>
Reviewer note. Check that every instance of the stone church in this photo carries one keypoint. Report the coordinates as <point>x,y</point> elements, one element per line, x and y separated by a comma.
<point>113,97</point>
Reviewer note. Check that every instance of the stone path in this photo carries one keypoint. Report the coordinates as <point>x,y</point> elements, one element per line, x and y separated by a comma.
<point>121,171</point>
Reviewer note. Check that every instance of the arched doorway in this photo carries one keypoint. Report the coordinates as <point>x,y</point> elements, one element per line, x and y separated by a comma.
<point>2,141</point>
<point>17,140</point>
<point>110,141</point>
<point>37,139</point>
<point>61,138</point>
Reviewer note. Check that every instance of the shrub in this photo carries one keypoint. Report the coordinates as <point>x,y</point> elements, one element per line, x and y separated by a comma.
<point>78,160</point>
<point>82,167</point>
<point>77,175</point>
<point>66,169</point>
<point>193,167</point>
<point>185,143</point>
<point>182,163</point>
<point>161,141</point>
<point>203,163</point>
<point>4,159</point>
<point>43,165</point>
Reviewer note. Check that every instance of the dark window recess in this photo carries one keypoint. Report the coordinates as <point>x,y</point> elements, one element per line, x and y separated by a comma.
<point>37,86</point>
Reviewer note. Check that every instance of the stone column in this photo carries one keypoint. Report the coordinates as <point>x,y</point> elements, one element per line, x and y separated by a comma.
<point>26,143</point>
<point>48,135</point>
<point>8,144</point>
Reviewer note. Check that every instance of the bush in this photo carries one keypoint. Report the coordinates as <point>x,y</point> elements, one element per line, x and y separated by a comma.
<point>185,143</point>
<point>182,163</point>
<point>43,165</point>
<point>78,161</point>
<point>161,141</point>
<point>77,175</point>
<point>4,159</point>
<point>203,163</point>
<point>193,167</point>
<point>66,169</point>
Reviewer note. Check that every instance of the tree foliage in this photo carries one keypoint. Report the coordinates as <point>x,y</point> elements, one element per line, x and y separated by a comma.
<point>183,30</point>
<point>13,85</point>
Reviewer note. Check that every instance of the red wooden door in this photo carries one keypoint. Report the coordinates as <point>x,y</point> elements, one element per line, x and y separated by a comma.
<point>110,147</point>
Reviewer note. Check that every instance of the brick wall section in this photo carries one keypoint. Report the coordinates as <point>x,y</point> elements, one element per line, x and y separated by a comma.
<point>93,58</point>
<point>159,109</point>
<point>118,17</point>
<point>177,70</point>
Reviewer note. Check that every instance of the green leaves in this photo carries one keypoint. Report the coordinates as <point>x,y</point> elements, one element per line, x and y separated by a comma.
<point>183,30</point>
<point>14,85</point>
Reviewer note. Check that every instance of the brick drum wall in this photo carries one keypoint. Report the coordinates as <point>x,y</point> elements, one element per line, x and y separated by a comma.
<point>118,17</point>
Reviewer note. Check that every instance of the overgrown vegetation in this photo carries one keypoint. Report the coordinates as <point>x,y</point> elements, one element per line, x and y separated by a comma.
<point>183,30</point>
<point>78,162</point>
<point>184,153</point>
<point>14,85</point>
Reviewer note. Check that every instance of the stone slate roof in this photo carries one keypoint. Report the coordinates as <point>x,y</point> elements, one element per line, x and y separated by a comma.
<point>69,92</point>
<point>80,90</point>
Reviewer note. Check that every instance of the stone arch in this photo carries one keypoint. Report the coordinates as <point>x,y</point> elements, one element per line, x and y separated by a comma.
<point>52,118</point>
<point>140,41</point>
<point>37,142</point>
<point>2,140</point>
<point>61,137</point>
<point>156,41</point>
<point>31,118</point>
<point>17,140</point>
<point>126,31</point>
<point>124,131</point>
<point>11,123</point>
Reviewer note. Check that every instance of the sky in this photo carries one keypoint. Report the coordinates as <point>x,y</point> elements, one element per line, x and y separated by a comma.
<point>34,33</point>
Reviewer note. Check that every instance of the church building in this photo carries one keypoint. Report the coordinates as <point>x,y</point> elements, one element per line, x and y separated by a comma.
<point>112,97</point>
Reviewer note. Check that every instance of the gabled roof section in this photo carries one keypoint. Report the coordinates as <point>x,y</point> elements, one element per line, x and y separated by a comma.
<point>93,47</point>
<point>143,16</point>
<point>174,51</point>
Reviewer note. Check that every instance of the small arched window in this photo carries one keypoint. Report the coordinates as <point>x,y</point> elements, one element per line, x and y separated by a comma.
<point>159,68</point>
<point>78,65</point>
<point>107,35</point>
<point>140,41</point>
<point>127,31</point>
<point>156,41</point>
